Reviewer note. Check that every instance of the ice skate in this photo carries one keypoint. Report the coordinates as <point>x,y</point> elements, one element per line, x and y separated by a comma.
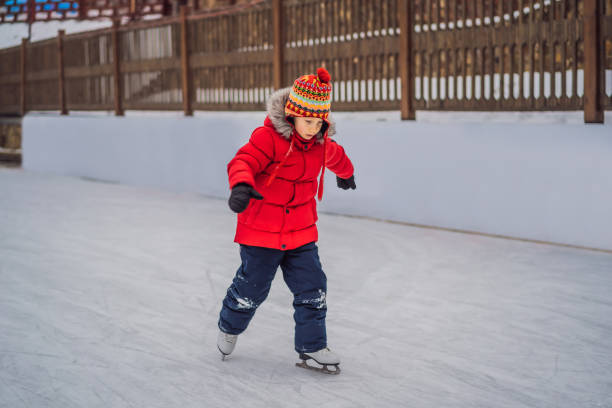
<point>326,361</point>
<point>226,343</point>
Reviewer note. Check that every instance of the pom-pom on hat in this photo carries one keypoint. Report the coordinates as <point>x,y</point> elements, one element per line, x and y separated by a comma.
<point>310,96</point>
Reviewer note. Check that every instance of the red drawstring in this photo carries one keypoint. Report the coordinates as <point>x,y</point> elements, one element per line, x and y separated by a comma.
<point>320,193</point>
<point>273,175</point>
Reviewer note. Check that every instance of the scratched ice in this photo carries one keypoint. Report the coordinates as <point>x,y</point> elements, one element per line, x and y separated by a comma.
<point>109,297</point>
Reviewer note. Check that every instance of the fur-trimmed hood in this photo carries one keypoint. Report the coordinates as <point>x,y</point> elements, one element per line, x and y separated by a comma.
<point>276,113</point>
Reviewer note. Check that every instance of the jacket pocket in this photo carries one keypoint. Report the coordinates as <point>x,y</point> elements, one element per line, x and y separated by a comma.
<point>266,217</point>
<point>300,217</point>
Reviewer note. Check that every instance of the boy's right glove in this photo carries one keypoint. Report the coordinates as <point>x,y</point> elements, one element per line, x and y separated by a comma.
<point>345,184</point>
<point>241,196</point>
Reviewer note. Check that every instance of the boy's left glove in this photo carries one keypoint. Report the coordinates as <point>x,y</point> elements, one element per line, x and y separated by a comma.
<point>345,184</point>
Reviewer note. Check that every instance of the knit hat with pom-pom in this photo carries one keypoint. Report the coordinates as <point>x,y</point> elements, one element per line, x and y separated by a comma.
<point>310,96</point>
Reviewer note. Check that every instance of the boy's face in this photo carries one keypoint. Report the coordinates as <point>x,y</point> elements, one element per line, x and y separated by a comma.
<point>308,127</point>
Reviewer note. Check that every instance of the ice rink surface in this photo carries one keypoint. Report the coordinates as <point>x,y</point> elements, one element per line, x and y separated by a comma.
<point>109,297</point>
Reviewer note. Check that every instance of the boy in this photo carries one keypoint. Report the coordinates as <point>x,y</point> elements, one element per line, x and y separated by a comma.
<point>273,179</point>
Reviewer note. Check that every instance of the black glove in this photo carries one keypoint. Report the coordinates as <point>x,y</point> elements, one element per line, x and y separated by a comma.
<point>345,184</point>
<point>241,196</point>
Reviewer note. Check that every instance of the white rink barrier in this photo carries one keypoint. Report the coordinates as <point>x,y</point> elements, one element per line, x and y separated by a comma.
<point>548,180</point>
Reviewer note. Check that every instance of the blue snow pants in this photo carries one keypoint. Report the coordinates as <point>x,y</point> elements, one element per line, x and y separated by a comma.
<point>303,275</point>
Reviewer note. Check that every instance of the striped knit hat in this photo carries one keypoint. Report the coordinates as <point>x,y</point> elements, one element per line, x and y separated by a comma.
<point>310,96</point>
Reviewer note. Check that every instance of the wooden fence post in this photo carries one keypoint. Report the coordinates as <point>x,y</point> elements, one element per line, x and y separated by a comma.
<point>406,61</point>
<point>82,9</point>
<point>185,74</point>
<point>22,108</point>
<point>167,8</point>
<point>61,79</point>
<point>132,10</point>
<point>593,83</point>
<point>117,69</point>
<point>279,43</point>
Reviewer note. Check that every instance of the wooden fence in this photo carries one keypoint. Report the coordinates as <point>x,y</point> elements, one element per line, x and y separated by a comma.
<point>451,54</point>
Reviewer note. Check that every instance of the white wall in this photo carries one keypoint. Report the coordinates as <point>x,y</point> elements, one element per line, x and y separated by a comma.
<point>547,180</point>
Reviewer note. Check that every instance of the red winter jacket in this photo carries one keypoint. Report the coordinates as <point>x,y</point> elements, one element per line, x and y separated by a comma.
<point>284,168</point>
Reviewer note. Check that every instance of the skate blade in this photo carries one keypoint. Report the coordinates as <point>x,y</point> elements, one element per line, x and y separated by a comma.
<point>324,369</point>
<point>224,356</point>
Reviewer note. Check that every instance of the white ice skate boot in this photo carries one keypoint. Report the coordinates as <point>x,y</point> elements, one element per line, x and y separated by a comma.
<point>226,343</point>
<point>325,358</point>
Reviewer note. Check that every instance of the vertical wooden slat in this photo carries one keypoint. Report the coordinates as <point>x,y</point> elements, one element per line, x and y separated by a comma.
<point>345,77</point>
<point>279,45</point>
<point>532,44</point>
<point>329,32</point>
<point>564,53</point>
<point>438,54</point>
<point>407,110</point>
<point>564,68</point>
<point>426,79</point>
<point>473,70</point>
<point>288,17</point>
<point>447,69</point>
<point>321,21</point>
<point>185,74</point>
<point>116,70</point>
<point>61,78</point>
<point>542,68</point>
<point>520,44</point>
<point>378,77</point>
<point>456,73</point>
<point>363,21</point>
<point>542,44</point>
<point>340,11</point>
<point>239,31</point>
<point>23,82</point>
<point>334,20</point>
<point>384,21</point>
<point>447,52</point>
<point>250,38</point>
<point>430,14</point>
<point>553,70</point>
<point>358,15</point>
<point>483,69</point>
<point>552,47</point>
<point>502,68</point>
<point>369,19</point>
<point>387,76</point>
<point>302,26</point>
<point>363,91</point>
<point>593,113</point>
<point>349,19</point>
<point>491,48</point>
<point>351,76</point>
<point>378,14</point>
